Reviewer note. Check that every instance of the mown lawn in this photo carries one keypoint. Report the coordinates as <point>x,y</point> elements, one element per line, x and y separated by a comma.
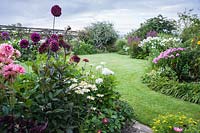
<point>147,104</point>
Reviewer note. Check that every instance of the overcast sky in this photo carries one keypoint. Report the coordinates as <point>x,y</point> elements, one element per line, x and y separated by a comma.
<point>124,14</point>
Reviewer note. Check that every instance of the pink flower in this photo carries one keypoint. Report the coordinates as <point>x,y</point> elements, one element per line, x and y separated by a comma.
<point>17,53</point>
<point>105,120</point>
<point>178,129</point>
<point>19,69</point>
<point>99,131</point>
<point>10,71</point>
<point>6,50</point>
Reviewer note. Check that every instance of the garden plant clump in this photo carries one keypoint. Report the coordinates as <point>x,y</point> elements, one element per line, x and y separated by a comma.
<point>45,89</point>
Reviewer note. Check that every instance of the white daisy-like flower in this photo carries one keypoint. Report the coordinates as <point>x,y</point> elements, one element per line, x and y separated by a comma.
<point>93,108</point>
<point>106,71</point>
<point>90,97</point>
<point>98,67</point>
<point>100,95</point>
<point>99,81</point>
<point>79,92</point>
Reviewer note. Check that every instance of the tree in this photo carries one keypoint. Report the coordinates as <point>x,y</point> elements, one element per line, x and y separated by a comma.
<point>159,24</point>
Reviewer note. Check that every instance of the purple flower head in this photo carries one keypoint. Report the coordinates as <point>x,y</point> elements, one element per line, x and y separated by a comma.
<point>35,37</point>
<point>134,39</point>
<point>54,37</point>
<point>54,46</point>
<point>43,48</point>
<point>151,34</point>
<point>24,43</point>
<point>5,35</point>
<point>169,53</point>
<point>75,58</point>
<point>56,11</point>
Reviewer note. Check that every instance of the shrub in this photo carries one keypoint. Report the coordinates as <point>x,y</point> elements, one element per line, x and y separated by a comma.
<point>82,48</point>
<point>172,123</point>
<point>135,51</point>
<point>164,80</point>
<point>122,46</point>
<point>101,35</point>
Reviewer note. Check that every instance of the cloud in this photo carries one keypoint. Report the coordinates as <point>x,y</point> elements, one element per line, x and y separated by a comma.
<point>125,15</point>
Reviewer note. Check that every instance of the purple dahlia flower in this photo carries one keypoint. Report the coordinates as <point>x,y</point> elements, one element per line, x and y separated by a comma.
<point>56,11</point>
<point>54,37</point>
<point>5,35</point>
<point>43,48</point>
<point>35,37</point>
<point>54,46</point>
<point>24,43</point>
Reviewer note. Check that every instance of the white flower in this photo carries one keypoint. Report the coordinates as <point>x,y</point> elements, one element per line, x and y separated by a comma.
<point>99,81</point>
<point>106,71</point>
<point>74,80</point>
<point>98,67</point>
<point>92,76</point>
<point>87,73</point>
<point>93,108</point>
<point>79,92</point>
<point>90,97</point>
<point>100,95</point>
<point>103,63</point>
<point>72,86</point>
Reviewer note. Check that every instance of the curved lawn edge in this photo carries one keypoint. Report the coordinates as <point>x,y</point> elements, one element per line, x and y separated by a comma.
<point>147,103</point>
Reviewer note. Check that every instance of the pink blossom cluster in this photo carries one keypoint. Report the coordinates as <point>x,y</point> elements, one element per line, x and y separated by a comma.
<point>169,53</point>
<point>8,69</point>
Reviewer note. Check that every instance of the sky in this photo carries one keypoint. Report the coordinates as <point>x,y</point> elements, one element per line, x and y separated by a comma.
<point>124,14</point>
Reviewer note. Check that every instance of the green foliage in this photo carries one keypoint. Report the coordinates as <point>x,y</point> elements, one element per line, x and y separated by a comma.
<point>117,114</point>
<point>122,46</point>
<point>82,48</point>
<point>190,24</point>
<point>159,24</point>
<point>101,35</point>
<point>169,122</point>
<point>165,81</point>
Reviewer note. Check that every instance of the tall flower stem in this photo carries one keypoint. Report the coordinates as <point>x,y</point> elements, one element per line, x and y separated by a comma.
<point>54,18</point>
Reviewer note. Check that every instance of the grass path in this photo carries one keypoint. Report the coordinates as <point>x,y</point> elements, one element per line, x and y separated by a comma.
<point>147,104</point>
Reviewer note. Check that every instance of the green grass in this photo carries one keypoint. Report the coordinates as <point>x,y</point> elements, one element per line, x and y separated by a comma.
<point>147,104</point>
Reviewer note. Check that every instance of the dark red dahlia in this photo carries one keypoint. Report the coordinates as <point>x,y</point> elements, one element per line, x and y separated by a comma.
<point>56,11</point>
<point>60,37</point>
<point>75,58</point>
<point>35,37</point>
<point>43,48</point>
<point>64,44</point>
<point>24,43</point>
<point>54,46</point>
<point>85,60</point>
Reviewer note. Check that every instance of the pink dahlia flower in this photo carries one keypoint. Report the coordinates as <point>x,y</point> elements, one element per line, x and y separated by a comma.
<point>6,50</point>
